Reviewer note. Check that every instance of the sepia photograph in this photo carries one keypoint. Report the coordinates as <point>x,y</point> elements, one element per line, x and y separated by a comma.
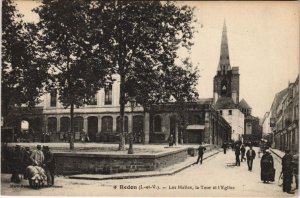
<point>150,98</point>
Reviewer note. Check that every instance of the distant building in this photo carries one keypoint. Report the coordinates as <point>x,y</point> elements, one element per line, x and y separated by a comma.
<point>266,129</point>
<point>285,118</point>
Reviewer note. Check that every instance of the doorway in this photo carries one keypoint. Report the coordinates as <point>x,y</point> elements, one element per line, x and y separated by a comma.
<point>92,128</point>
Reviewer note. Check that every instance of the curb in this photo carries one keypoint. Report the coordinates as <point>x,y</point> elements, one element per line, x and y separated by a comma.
<point>143,175</point>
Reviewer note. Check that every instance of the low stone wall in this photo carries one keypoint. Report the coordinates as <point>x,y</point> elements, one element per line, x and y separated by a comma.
<point>99,163</point>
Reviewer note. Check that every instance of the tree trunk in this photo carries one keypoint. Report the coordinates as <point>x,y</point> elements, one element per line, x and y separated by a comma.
<point>71,135</point>
<point>122,109</point>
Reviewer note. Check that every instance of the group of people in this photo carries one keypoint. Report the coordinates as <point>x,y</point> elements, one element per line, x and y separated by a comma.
<point>24,158</point>
<point>289,165</point>
<point>240,152</point>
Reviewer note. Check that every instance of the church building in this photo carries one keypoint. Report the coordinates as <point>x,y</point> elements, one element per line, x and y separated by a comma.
<point>226,90</point>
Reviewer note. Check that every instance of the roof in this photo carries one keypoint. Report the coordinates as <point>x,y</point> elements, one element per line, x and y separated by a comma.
<point>205,101</point>
<point>244,104</point>
<point>225,103</point>
<point>278,98</point>
<point>224,54</point>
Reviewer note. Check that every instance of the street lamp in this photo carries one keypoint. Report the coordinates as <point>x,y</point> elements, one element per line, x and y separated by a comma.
<point>133,104</point>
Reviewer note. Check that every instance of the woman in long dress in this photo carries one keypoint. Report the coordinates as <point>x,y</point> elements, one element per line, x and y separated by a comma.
<point>267,167</point>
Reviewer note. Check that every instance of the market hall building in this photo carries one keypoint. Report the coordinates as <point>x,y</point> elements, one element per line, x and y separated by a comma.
<point>100,120</point>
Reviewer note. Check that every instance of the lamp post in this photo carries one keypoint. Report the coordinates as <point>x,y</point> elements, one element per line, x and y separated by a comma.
<point>133,104</point>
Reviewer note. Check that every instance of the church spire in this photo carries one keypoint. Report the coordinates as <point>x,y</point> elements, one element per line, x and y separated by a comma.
<point>224,63</point>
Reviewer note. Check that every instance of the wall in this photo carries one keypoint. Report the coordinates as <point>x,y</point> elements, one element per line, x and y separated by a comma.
<point>236,120</point>
<point>93,163</point>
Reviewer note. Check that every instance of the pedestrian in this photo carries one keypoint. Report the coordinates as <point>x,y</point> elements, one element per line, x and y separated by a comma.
<point>87,138</point>
<point>287,172</point>
<point>38,156</point>
<point>267,167</point>
<point>16,164</point>
<point>49,165</point>
<point>295,168</point>
<point>28,161</point>
<point>201,150</point>
<point>171,140</point>
<point>250,155</point>
<point>243,151</point>
<point>237,155</point>
<point>224,146</point>
<point>65,137</point>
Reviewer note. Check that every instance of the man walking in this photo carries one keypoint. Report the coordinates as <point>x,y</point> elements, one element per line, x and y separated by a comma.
<point>287,172</point>
<point>237,155</point>
<point>250,157</point>
<point>201,150</point>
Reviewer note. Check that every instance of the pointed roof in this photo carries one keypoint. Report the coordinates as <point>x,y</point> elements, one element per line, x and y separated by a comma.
<point>243,104</point>
<point>224,54</point>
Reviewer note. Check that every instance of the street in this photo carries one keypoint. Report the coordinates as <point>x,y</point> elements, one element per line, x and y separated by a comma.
<point>217,176</point>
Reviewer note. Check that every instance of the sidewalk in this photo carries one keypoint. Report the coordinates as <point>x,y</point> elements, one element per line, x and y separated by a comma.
<point>277,152</point>
<point>190,161</point>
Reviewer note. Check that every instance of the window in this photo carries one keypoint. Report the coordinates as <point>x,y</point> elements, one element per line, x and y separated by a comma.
<point>230,112</point>
<point>157,124</point>
<point>221,113</point>
<point>107,124</point>
<point>108,95</point>
<point>125,124</point>
<point>53,97</point>
<point>52,124</point>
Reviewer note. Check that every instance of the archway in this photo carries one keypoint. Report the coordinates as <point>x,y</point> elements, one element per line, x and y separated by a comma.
<point>24,125</point>
<point>92,128</point>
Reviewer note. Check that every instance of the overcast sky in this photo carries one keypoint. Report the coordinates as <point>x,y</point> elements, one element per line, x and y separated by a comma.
<point>263,39</point>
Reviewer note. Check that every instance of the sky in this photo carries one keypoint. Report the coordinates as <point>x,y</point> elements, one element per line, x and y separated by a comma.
<point>263,39</point>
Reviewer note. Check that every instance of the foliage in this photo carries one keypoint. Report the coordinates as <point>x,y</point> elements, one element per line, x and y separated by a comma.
<point>22,78</point>
<point>78,65</point>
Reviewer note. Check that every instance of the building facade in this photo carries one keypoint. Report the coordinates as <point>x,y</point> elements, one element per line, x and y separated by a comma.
<point>284,118</point>
<point>286,131</point>
<point>197,122</point>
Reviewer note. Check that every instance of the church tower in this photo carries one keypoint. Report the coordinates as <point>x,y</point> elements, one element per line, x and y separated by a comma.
<point>226,81</point>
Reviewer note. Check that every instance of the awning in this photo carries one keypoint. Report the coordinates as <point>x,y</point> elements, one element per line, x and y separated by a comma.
<point>195,126</point>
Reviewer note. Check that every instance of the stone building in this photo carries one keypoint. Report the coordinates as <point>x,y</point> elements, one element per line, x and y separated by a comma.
<point>266,129</point>
<point>197,122</point>
<point>252,127</point>
<point>226,90</point>
<point>285,118</point>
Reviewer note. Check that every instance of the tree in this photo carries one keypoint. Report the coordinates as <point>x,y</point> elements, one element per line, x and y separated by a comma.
<point>182,86</point>
<point>22,77</point>
<point>145,35</point>
<point>78,64</point>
